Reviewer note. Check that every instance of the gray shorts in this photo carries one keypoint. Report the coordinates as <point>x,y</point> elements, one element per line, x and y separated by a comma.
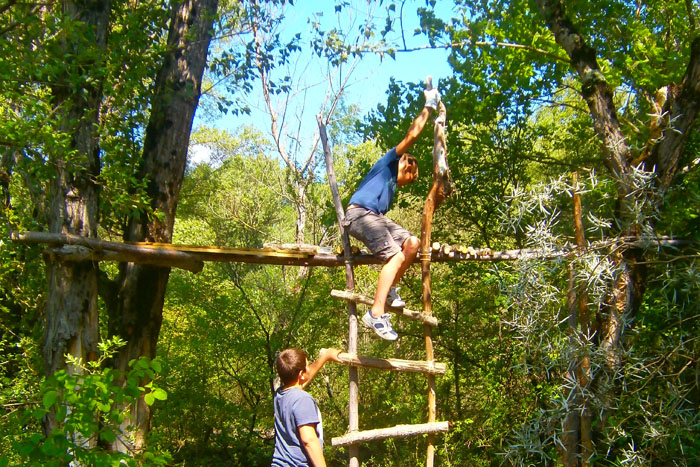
<point>381,235</point>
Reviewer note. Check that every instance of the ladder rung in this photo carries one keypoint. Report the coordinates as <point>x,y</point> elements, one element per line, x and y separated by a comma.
<point>394,364</point>
<point>399,431</point>
<point>358,298</point>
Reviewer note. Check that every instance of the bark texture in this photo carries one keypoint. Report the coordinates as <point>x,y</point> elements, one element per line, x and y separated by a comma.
<point>71,311</point>
<point>136,308</point>
<point>681,107</point>
<point>679,116</point>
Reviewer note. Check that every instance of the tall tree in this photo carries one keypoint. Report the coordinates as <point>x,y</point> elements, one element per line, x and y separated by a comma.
<point>637,82</point>
<point>77,93</point>
<point>66,99</point>
<point>75,119</point>
<point>137,296</point>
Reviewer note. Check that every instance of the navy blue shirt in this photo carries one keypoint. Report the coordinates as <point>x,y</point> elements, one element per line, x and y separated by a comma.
<point>294,407</point>
<point>377,189</point>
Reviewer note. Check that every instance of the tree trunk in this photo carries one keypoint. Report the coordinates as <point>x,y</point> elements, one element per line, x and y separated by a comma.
<point>137,310</point>
<point>71,311</point>
<point>681,107</point>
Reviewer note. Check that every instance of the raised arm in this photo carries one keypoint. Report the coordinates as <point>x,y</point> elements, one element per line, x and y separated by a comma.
<point>432,99</point>
<point>324,356</point>
<point>413,132</point>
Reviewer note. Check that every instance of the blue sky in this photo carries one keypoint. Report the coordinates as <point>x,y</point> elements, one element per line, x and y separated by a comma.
<point>370,79</point>
<point>373,75</point>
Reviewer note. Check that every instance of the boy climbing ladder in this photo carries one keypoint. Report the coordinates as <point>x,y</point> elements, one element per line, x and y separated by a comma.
<point>365,219</point>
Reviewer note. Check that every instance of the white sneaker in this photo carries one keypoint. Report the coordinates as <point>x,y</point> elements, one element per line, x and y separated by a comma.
<point>393,299</point>
<point>380,325</point>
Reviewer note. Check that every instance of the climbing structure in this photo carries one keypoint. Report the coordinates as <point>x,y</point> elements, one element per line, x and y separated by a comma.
<point>66,247</point>
<point>441,187</point>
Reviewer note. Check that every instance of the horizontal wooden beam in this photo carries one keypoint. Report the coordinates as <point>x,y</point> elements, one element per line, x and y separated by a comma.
<point>144,252</point>
<point>399,431</point>
<point>393,364</point>
<point>155,258</point>
<point>358,298</point>
<point>295,256</point>
<point>110,251</point>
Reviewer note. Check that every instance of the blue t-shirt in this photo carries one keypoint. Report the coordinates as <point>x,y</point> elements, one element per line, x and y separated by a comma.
<point>377,189</point>
<point>294,407</point>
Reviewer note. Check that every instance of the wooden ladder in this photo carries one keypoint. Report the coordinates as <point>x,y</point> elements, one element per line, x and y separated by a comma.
<point>440,188</point>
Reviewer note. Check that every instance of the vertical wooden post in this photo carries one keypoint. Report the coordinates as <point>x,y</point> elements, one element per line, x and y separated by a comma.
<point>577,445</point>
<point>435,196</point>
<point>425,255</point>
<point>583,367</point>
<point>353,396</point>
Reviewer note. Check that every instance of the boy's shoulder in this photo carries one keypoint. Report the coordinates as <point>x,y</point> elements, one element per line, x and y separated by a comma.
<point>293,394</point>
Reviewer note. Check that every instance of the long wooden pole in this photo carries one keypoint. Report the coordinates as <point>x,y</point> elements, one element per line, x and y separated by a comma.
<point>393,364</point>
<point>191,257</point>
<point>414,315</point>
<point>428,310</point>
<point>353,389</point>
<point>584,366</point>
<point>576,446</point>
<point>399,431</point>
<point>435,197</point>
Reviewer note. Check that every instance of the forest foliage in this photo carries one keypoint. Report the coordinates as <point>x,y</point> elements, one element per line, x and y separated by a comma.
<point>587,358</point>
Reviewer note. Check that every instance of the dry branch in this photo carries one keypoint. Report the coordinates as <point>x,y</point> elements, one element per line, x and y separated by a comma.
<point>112,251</point>
<point>394,364</point>
<point>357,298</point>
<point>399,431</point>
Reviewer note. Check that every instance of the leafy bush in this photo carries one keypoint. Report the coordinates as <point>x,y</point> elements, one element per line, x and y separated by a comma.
<point>89,404</point>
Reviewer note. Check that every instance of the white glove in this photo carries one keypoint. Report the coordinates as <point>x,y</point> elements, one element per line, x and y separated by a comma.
<point>432,98</point>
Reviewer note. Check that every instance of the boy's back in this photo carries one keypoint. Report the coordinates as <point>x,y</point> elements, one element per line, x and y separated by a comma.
<point>294,407</point>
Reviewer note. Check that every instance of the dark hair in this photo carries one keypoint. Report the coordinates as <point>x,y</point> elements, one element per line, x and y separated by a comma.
<point>409,158</point>
<point>289,363</point>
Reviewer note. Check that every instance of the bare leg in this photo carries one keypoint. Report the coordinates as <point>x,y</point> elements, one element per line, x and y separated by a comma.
<point>392,271</point>
<point>386,279</point>
<point>409,249</point>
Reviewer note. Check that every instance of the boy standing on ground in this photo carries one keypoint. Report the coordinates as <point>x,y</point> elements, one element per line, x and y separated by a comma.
<point>365,220</point>
<point>298,425</point>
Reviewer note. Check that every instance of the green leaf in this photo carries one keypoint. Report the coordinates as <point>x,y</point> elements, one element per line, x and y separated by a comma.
<point>155,364</point>
<point>108,435</point>
<point>160,394</point>
<point>141,363</point>
<point>149,398</point>
<point>49,399</point>
<point>39,413</point>
<point>25,448</point>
